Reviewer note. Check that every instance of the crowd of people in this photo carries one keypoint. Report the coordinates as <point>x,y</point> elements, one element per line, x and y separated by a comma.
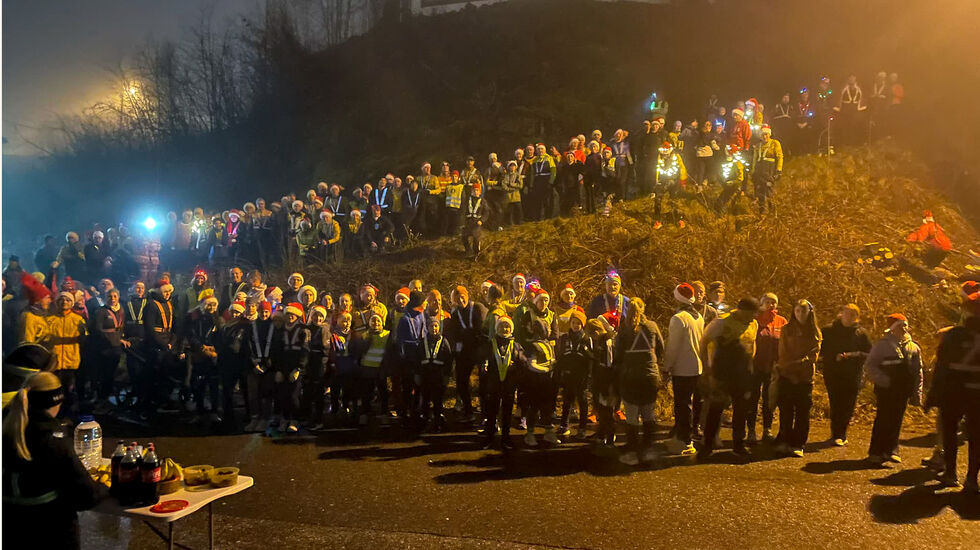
<point>713,157</point>
<point>302,358</point>
<point>304,361</point>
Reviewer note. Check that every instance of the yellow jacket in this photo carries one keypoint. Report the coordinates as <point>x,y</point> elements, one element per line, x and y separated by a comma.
<point>772,151</point>
<point>33,329</point>
<point>67,333</point>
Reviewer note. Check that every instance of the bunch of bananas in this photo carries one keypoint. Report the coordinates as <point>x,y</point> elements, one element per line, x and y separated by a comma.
<point>102,475</point>
<point>171,470</point>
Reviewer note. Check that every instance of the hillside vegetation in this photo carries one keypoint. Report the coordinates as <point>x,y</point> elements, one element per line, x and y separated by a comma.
<point>827,209</point>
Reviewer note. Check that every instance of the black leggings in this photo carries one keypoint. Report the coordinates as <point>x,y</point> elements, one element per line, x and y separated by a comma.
<point>573,383</point>
<point>966,403</point>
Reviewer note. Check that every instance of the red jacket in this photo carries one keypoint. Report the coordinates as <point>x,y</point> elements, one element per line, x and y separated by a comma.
<point>932,234</point>
<point>738,138</point>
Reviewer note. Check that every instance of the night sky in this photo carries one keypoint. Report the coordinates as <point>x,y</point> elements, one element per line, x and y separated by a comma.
<point>55,52</point>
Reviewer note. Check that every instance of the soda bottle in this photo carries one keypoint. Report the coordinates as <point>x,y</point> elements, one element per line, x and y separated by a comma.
<point>117,458</point>
<point>129,474</point>
<point>149,477</point>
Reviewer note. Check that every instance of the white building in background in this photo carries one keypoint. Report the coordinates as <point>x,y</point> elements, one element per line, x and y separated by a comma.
<point>433,7</point>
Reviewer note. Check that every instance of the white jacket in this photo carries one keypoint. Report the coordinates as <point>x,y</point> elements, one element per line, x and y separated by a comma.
<point>683,355</point>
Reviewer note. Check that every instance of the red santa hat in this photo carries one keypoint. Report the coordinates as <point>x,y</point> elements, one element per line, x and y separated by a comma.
<point>684,293</point>
<point>265,306</point>
<point>163,285</point>
<point>368,286</point>
<point>766,129</point>
<point>737,111</point>
<point>895,320</point>
<point>503,320</point>
<point>752,101</point>
<point>927,216</point>
<point>666,147</point>
<point>201,272</point>
<point>295,308</point>
<point>519,276</point>
<point>307,288</point>
<point>404,291</point>
<point>273,292</point>
<point>540,293</point>
<point>35,290</point>
<point>569,289</point>
<point>486,284</point>
<point>321,310</point>
<point>238,306</point>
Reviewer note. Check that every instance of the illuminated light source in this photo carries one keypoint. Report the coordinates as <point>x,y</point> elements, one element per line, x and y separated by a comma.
<point>149,223</point>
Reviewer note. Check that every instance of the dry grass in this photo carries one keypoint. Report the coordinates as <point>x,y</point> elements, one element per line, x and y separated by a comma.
<point>827,209</point>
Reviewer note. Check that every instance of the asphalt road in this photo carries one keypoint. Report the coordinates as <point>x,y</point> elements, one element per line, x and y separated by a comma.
<point>345,489</point>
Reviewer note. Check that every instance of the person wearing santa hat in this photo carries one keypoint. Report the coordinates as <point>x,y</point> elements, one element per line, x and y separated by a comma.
<point>464,329</point>
<point>307,298</point>
<point>505,365</point>
<point>682,360</point>
<point>32,327</point>
<point>894,365</point>
<point>395,313</point>
<point>67,331</point>
<point>191,297</point>
<point>955,391</point>
<point>314,383</point>
<point>231,345</point>
<point>518,293</point>
<point>933,236</point>
<point>575,357</point>
<point>199,332</point>
<point>329,232</point>
<point>293,284</point>
<point>564,307</point>
<point>289,365</point>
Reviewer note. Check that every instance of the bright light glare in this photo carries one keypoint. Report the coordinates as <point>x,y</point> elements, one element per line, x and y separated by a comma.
<point>150,224</point>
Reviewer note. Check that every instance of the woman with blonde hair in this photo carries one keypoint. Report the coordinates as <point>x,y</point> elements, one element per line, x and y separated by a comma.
<point>637,357</point>
<point>44,482</point>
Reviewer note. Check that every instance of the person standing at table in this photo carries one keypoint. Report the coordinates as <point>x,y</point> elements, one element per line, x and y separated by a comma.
<point>44,482</point>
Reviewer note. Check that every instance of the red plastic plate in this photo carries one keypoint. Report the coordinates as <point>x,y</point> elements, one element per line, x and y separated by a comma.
<point>169,506</point>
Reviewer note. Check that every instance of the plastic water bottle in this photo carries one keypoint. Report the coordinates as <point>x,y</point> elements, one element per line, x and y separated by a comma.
<point>88,442</point>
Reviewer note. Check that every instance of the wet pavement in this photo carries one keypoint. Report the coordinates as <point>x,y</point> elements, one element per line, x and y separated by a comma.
<point>385,488</point>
